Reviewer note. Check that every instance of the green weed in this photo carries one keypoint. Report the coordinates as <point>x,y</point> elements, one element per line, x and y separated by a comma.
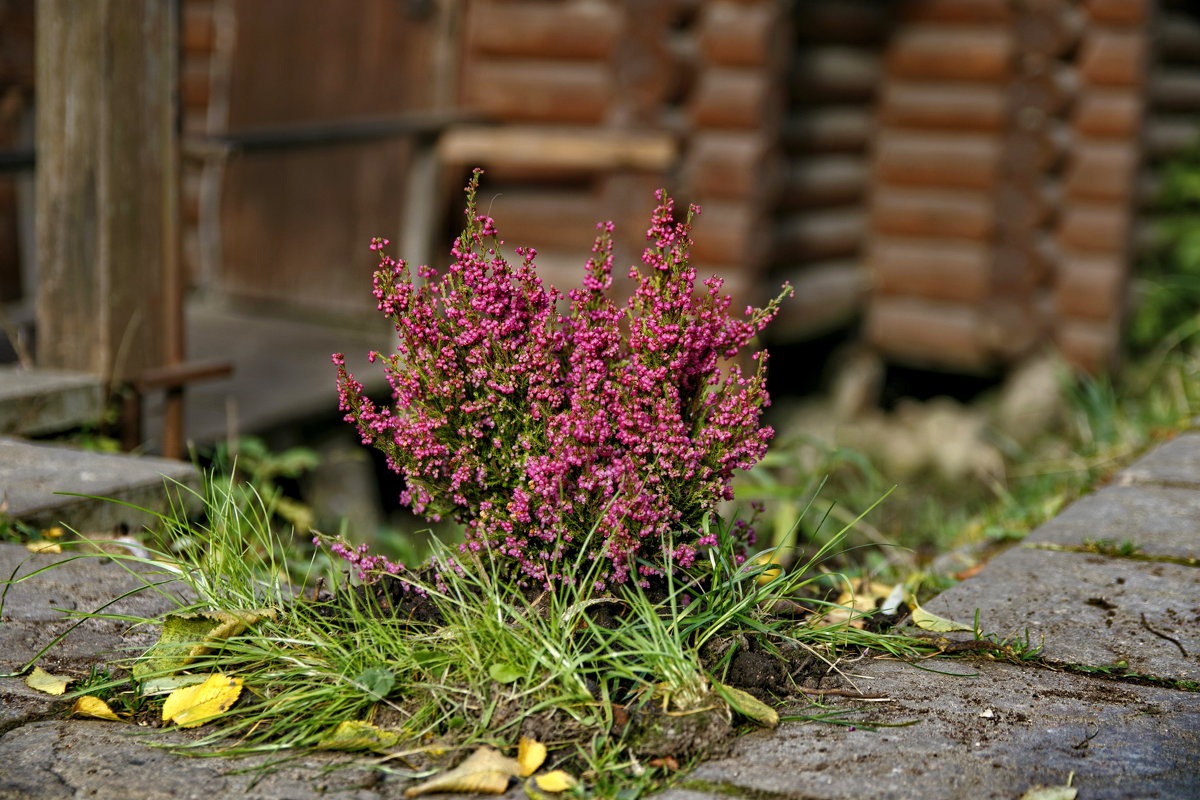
<point>1110,547</point>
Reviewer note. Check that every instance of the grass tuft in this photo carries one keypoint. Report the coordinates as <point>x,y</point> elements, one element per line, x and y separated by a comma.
<point>458,655</point>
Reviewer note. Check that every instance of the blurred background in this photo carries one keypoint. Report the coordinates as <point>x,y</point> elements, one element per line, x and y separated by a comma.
<point>978,201</point>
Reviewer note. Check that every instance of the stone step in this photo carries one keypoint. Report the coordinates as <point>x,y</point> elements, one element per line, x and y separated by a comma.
<point>34,402</point>
<point>32,475</point>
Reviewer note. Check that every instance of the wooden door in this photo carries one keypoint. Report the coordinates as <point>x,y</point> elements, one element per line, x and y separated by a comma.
<point>296,222</point>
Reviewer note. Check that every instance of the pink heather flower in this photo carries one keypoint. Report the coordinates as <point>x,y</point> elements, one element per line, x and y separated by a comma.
<point>533,427</point>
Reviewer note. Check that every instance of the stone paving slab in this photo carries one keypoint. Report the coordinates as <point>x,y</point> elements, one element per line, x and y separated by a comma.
<point>67,759</point>
<point>38,607</point>
<point>991,736</point>
<point>1088,608</point>
<point>44,756</point>
<point>36,610</point>
<point>1161,521</point>
<point>34,402</point>
<point>1175,463</point>
<point>31,474</point>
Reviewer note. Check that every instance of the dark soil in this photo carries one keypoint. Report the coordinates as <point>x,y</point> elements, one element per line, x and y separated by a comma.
<point>757,672</point>
<point>696,734</point>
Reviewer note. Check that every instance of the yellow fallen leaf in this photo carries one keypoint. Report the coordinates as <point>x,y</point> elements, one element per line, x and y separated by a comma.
<point>748,705</point>
<point>169,683</point>
<point>231,623</point>
<point>89,706</point>
<point>772,571</point>
<point>530,755</point>
<point>357,735</point>
<point>860,599</point>
<point>42,546</point>
<point>486,771</point>
<point>42,681</point>
<point>186,637</point>
<point>53,533</point>
<point>556,781</point>
<point>1050,793</point>
<point>192,706</point>
<point>932,622</point>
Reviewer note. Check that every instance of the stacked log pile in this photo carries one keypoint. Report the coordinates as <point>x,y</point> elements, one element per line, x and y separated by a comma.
<point>1172,125</point>
<point>1171,131</point>
<point>1100,183</point>
<point>1020,149</point>
<point>734,119</point>
<point>964,176</point>
<point>577,92</point>
<point>821,186</point>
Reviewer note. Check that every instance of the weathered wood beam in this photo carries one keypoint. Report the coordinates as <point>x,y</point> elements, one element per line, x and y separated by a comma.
<point>107,184</point>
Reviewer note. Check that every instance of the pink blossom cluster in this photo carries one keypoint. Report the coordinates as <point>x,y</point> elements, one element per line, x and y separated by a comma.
<point>540,429</point>
<point>359,559</point>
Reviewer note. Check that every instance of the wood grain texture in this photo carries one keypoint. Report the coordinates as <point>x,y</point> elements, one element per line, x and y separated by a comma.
<point>107,193</point>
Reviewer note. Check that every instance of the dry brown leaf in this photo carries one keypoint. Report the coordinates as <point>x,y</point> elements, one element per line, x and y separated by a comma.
<point>556,781</point>
<point>89,706</point>
<point>486,771</point>
<point>969,572</point>
<point>42,681</point>
<point>530,755</point>
<point>193,706</point>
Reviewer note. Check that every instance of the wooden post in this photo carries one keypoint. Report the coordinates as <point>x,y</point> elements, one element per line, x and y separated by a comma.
<point>107,185</point>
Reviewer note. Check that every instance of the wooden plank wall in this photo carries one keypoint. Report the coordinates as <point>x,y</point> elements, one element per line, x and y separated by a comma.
<point>820,188</point>
<point>987,167</point>
<point>199,76</point>
<point>295,224</point>
<point>581,94</point>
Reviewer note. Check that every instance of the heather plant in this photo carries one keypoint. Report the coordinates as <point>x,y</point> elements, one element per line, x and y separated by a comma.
<point>532,418</point>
